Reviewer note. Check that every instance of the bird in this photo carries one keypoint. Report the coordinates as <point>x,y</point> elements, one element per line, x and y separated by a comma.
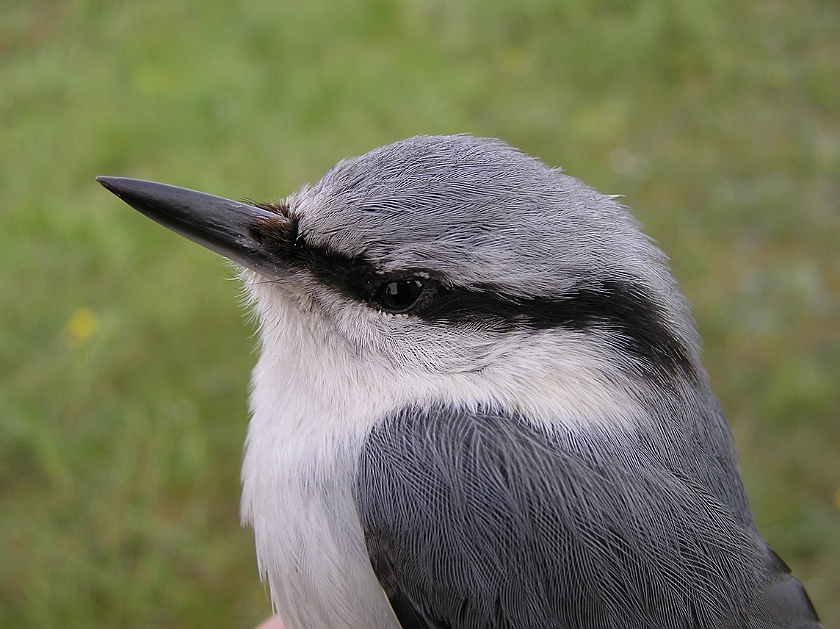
<point>479,403</point>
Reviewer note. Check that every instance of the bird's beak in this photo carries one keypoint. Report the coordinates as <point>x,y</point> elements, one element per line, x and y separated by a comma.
<point>227,227</point>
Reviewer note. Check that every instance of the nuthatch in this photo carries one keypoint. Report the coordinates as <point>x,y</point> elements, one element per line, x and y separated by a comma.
<point>479,403</point>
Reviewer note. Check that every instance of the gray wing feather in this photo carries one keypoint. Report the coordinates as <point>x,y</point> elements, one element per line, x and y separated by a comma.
<point>480,520</point>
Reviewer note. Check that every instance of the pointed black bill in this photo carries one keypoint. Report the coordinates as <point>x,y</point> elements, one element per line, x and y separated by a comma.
<point>224,226</point>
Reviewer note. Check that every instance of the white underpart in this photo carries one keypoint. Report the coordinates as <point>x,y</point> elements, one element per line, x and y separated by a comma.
<point>319,387</point>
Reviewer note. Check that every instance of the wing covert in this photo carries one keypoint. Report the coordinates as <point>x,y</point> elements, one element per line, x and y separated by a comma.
<point>480,520</point>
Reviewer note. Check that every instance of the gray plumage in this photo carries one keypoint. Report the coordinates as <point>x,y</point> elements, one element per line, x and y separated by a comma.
<point>480,404</point>
<point>481,520</point>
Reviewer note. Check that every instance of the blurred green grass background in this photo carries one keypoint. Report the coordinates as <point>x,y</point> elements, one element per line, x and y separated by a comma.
<point>124,352</point>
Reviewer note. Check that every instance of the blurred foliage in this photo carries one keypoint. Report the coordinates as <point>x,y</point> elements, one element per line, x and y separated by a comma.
<point>124,355</point>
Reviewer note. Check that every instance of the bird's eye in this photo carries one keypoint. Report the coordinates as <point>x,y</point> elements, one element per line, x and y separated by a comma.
<point>400,295</point>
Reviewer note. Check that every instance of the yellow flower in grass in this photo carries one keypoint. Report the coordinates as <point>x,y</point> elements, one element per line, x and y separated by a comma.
<point>81,326</point>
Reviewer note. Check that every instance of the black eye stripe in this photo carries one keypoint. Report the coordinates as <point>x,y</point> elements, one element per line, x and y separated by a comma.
<point>619,306</point>
<point>615,306</point>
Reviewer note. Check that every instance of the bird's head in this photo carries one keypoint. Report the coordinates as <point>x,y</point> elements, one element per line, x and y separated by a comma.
<point>450,257</point>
